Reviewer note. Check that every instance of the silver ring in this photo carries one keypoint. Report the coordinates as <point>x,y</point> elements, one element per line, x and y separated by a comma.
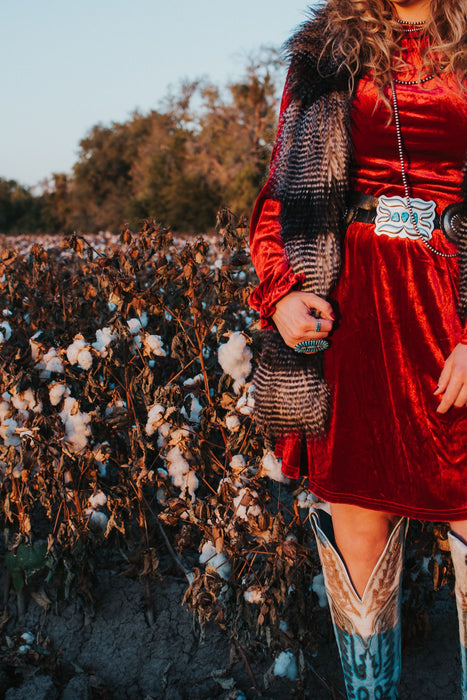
<point>318,326</point>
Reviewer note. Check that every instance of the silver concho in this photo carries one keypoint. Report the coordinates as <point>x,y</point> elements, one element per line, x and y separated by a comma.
<point>393,218</point>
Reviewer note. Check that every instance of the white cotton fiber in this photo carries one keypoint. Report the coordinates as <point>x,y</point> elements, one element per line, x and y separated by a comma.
<point>155,416</point>
<point>5,333</point>
<point>97,520</point>
<point>271,467</point>
<point>153,345</point>
<point>104,337</point>
<point>234,358</point>
<point>242,509</point>
<point>177,466</point>
<point>237,463</point>
<point>97,499</point>
<point>76,424</point>
<point>73,350</point>
<point>285,666</point>
<point>253,595</point>
<point>232,423</point>
<point>216,561</point>
<point>56,392</point>
<point>319,589</point>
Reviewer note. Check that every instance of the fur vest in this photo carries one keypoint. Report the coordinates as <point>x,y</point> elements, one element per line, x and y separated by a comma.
<point>310,177</point>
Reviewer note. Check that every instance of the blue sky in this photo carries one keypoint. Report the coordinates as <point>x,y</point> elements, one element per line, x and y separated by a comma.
<point>69,65</point>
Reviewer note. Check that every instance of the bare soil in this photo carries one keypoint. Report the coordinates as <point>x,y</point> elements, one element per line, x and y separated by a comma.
<point>122,653</point>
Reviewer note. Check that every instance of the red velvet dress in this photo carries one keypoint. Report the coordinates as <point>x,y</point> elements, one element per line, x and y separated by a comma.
<point>387,448</point>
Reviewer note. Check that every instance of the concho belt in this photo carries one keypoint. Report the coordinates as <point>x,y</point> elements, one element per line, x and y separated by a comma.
<point>392,218</point>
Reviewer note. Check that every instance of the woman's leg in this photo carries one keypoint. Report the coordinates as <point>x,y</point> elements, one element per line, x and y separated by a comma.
<point>365,610</point>
<point>361,536</point>
<point>458,543</point>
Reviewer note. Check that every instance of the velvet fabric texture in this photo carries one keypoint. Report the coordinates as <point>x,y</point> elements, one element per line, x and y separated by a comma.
<point>386,448</point>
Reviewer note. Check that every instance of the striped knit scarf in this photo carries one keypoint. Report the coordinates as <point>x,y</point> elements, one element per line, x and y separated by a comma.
<point>310,177</point>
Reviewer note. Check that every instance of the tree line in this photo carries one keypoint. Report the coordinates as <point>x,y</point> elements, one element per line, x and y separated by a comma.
<point>205,147</point>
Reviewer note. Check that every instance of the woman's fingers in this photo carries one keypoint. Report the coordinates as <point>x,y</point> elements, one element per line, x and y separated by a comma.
<point>450,395</point>
<point>313,301</point>
<point>294,321</point>
<point>444,377</point>
<point>453,380</point>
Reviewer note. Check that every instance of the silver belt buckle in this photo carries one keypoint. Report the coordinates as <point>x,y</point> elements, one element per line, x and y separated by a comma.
<point>393,217</point>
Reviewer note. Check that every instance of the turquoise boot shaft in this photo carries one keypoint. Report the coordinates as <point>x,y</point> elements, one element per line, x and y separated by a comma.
<point>367,629</point>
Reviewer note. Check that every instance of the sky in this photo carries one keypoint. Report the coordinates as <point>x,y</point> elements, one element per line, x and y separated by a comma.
<point>68,65</point>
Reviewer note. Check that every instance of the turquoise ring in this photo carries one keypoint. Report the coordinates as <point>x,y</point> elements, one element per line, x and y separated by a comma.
<point>318,326</point>
<point>308,347</point>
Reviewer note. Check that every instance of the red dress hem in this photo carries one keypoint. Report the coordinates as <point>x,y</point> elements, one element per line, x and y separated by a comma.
<point>388,506</point>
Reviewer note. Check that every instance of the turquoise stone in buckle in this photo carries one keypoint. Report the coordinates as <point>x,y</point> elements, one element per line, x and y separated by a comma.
<point>393,217</point>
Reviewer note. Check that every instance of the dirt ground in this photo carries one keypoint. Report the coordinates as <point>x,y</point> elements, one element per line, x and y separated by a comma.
<point>117,654</point>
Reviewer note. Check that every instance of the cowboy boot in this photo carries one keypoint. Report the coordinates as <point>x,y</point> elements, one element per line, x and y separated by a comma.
<point>459,560</point>
<point>367,629</point>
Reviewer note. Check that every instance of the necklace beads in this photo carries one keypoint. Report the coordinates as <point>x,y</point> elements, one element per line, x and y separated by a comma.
<point>405,182</point>
<point>414,82</point>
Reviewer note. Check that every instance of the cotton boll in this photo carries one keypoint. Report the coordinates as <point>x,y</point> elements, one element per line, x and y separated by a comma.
<point>5,408</point>
<point>271,467</point>
<point>84,359</point>
<point>56,392</point>
<point>237,463</point>
<point>195,410</point>
<point>9,434</point>
<point>153,345</point>
<point>234,358</point>
<point>253,595</point>
<point>232,423</point>
<point>215,561</point>
<point>104,337</point>
<point>285,666</point>
<point>49,363</point>
<point>74,348</point>
<point>97,499</point>
<point>155,416</point>
<point>241,504</point>
<point>137,324</point>
<point>319,589</point>
<point>191,484</point>
<point>76,424</point>
<point>306,499</point>
<point>191,381</point>
<point>177,466</point>
<point>179,435</point>
<point>6,330</point>
<point>97,520</point>
<point>27,637</point>
<point>245,405</point>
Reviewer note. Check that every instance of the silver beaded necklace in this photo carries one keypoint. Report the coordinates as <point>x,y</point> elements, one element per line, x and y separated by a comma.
<point>405,182</point>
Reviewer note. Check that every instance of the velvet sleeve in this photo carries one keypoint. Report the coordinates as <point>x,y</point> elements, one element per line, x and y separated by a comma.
<point>276,278</point>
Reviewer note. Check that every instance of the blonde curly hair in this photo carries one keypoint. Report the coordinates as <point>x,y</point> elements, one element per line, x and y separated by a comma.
<point>364,35</point>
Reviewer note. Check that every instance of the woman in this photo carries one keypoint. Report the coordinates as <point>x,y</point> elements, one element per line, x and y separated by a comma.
<point>372,143</point>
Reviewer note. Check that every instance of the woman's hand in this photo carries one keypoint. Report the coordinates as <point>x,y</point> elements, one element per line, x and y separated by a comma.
<point>453,380</point>
<point>294,321</point>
